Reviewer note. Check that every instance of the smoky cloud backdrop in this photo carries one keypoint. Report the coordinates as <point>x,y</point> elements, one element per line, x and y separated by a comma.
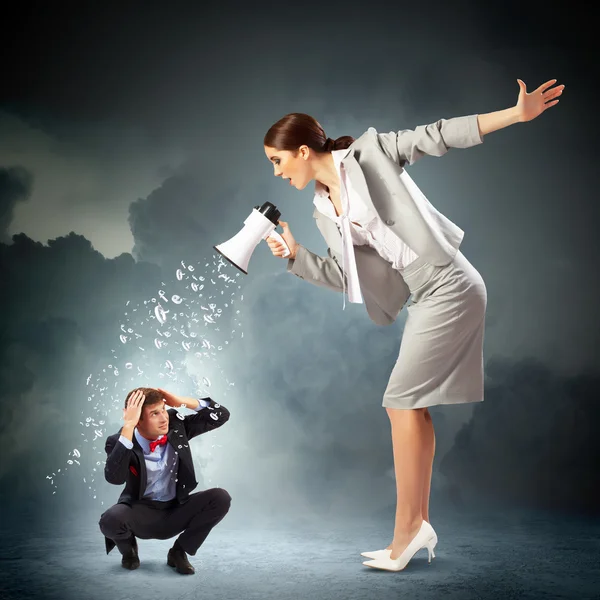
<point>143,154</point>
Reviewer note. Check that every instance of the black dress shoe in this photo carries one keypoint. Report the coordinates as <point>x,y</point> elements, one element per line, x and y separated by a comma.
<point>178,558</point>
<point>130,560</point>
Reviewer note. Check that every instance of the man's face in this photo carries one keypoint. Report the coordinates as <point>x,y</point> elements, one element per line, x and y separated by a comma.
<point>155,421</point>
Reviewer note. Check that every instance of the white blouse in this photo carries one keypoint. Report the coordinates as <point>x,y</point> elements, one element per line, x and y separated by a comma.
<point>360,226</point>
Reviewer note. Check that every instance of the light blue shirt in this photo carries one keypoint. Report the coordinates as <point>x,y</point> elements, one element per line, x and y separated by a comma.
<point>161,465</point>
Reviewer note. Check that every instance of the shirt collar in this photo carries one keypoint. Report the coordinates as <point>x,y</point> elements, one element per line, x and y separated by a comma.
<point>142,441</point>
<point>320,190</point>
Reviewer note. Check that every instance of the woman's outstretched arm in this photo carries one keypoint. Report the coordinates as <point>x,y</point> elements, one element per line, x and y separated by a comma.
<point>435,139</point>
<point>528,107</point>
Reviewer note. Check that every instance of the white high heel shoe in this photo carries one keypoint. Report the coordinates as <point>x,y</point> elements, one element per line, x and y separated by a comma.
<point>385,553</point>
<point>425,538</point>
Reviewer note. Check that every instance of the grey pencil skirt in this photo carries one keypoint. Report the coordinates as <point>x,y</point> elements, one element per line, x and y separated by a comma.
<point>441,353</point>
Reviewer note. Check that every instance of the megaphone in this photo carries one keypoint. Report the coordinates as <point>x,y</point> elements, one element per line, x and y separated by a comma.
<point>260,225</point>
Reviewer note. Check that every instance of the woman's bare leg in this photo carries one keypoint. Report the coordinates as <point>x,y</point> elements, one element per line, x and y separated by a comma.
<point>428,454</point>
<point>409,436</point>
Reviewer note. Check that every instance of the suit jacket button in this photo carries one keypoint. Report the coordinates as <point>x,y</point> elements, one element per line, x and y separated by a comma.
<point>389,222</point>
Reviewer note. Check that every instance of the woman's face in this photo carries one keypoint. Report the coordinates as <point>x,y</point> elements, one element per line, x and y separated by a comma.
<point>287,166</point>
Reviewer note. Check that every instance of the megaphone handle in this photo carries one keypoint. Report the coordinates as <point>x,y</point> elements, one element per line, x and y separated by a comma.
<point>278,237</point>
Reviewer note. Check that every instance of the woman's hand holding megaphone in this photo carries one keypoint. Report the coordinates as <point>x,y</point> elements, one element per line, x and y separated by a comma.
<point>278,249</point>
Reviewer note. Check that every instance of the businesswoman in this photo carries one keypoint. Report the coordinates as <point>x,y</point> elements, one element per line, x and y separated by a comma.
<point>387,242</point>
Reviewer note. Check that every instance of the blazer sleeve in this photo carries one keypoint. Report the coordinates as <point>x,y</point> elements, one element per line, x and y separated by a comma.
<point>206,419</point>
<point>118,457</point>
<point>323,272</point>
<point>407,145</point>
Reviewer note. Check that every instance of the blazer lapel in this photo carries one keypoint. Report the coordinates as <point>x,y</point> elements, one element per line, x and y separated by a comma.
<point>173,435</point>
<point>137,449</point>
<point>357,177</point>
<point>328,228</point>
<point>329,231</point>
<point>175,431</point>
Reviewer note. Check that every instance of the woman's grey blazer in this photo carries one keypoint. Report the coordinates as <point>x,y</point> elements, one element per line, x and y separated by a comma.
<point>375,165</point>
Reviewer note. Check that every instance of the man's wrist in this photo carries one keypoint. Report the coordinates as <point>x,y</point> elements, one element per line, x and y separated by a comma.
<point>191,403</point>
<point>127,430</point>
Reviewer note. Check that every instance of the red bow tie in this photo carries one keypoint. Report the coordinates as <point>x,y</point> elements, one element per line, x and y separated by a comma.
<point>161,441</point>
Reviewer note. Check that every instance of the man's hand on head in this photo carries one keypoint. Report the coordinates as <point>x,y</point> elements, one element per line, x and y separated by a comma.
<point>133,410</point>
<point>178,401</point>
<point>170,399</point>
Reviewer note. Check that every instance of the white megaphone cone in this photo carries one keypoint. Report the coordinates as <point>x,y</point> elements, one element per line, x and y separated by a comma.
<point>258,226</point>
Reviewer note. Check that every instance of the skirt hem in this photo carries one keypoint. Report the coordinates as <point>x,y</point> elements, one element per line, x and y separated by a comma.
<point>420,403</point>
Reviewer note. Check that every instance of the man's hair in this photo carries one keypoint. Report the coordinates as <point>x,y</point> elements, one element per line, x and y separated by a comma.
<point>152,396</point>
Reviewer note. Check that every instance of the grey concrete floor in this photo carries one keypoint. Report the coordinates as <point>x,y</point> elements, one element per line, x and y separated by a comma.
<point>507,556</point>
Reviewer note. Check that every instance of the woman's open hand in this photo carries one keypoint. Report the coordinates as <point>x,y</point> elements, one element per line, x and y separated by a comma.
<point>532,105</point>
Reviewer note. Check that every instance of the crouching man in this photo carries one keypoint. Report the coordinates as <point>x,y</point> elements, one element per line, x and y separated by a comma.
<point>150,454</point>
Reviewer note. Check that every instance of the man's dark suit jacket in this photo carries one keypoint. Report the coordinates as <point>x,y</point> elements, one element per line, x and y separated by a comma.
<point>128,466</point>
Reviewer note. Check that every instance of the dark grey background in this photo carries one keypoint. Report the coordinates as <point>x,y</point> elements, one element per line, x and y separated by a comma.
<point>131,140</point>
